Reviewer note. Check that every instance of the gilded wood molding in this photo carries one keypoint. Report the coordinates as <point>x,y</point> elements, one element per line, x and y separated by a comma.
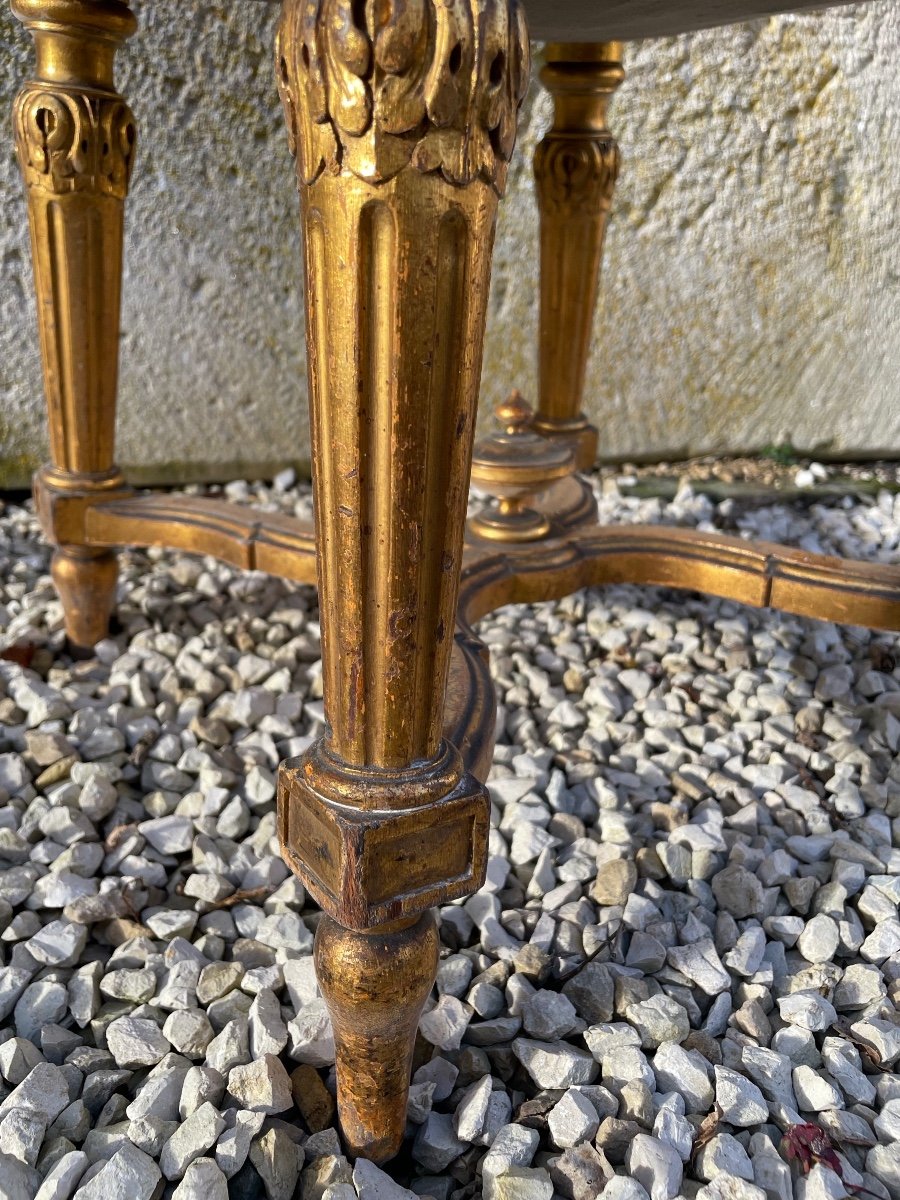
<point>761,574</point>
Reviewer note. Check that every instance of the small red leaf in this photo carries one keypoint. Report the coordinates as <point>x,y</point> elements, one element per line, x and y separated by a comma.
<point>22,655</point>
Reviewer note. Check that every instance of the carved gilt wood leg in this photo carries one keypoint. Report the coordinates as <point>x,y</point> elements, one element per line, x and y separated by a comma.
<point>75,138</point>
<point>402,119</point>
<point>575,168</point>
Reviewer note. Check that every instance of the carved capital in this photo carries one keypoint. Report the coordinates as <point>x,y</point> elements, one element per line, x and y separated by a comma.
<point>73,140</point>
<point>374,86</point>
<point>576,175</point>
<point>577,164</point>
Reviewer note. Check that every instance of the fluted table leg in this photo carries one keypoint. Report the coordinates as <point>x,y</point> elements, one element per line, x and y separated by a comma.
<point>75,137</point>
<point>402,118</point>
<point>575,167</point>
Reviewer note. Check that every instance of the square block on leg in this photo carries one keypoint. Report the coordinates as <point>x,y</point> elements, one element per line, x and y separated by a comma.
<point>368,867</point>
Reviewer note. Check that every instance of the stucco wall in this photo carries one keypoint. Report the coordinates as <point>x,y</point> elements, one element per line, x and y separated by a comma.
<point>752,275</point>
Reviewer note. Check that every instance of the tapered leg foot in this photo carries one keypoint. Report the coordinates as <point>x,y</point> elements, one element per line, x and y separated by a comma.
<point>375,985</point>
<point>86,581</point>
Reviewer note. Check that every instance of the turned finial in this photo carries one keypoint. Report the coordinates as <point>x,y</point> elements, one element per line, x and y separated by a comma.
<point>514,413</point>
<point>510,468</point>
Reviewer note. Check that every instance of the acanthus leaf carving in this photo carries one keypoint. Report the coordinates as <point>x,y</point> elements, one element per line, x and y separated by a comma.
<point>374,86</point>
<point>74,140</point>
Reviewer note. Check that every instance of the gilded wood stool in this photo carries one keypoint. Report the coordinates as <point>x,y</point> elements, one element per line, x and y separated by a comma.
<point>402,118</point>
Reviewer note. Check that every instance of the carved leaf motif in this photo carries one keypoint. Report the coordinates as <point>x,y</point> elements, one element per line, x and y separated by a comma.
<point>116,144</point>
<point>401,44</point>
<point>576,174</point>
<point>347,58</point>
<point>72,141</point>
<point>376,85</point>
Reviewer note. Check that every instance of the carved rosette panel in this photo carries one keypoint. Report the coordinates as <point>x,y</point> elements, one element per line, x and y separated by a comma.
<point>71,141</point>
<point>576,175</point>
<point>373,86</point>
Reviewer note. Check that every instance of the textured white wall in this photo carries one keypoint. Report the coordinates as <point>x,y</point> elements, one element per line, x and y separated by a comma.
<point>752,277</point>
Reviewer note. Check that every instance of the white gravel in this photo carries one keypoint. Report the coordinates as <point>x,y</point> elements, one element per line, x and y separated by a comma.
<point>680,980</point>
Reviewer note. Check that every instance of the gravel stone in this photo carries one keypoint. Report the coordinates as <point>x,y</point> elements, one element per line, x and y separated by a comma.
<point>268,1032</point>
<point>374,1184</point>
<point>278,1161</point>
<point>738,892</point>
<point>815,1092</point>
<point>674,1130</point>
<point>189,1032</point>
<point>129,1172</point>
<point>313,1100</point>
<point>325,1173</point>
<point>445,1025</point>
<point>581,1173</point>
<point>261,1086</point>
<point>659,1019</point>
<point>20,1181</point>
<point>436,1144</point>
<point>548,1015</point>
<point>524,1183</point>
<point>686,1072</point>
<point>741,1101</point>
<point>700,962</point>
<point>136,1042</point>
<point>884,1036</point>
<point>202,1181</point>
<point>62,1179</point>
<point>724,1154</point>
<point>229,1048</point>
<point>44,1091</point>
<point>884,1163</point>
<point>729,1187</point>
<point>809,1010</point>
<point>615,882</point>
<point>311,1035</point>
<point>514,1146</point>
<point>58,944</point>
<point>555,1064</point>
<point>887,1123</point>
<point>190,1141</point>
<point>40,1004</point>
<point>592,992</point>
<point>471,1112</point>
<point>233,1147</point>
<point>21,1134</point>
<point>819,940</point>
<point>18,1057</point>
<point>655,1166</point>
<point>620,1187</point>
<point>771,1072</point>
<point>572,1120</point>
